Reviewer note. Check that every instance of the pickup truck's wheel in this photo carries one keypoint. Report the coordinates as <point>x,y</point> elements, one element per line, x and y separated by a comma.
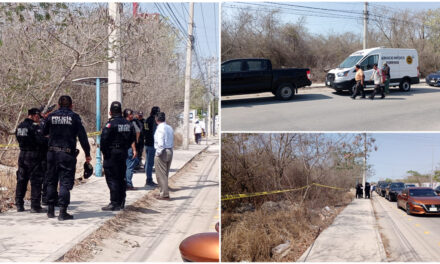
<point>285,92</point>
<point>405,85</point>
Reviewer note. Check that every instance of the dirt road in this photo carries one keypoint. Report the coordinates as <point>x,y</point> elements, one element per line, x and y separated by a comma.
<point>407,238</point>
<point>155,237</point>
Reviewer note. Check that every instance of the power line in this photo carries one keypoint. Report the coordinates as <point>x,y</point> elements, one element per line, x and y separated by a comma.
<point>330,13</point>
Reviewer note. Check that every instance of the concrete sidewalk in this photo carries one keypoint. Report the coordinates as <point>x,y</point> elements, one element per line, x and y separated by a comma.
<point>353,237</point>
<point>26,237</point>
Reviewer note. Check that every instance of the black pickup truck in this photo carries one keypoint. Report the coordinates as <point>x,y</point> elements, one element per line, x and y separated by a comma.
<point>243,76</point>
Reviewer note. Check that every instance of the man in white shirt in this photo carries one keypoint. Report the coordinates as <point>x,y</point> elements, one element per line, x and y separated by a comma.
<point>378,81</point>
<point>163,143</point>
<point>198,130</point>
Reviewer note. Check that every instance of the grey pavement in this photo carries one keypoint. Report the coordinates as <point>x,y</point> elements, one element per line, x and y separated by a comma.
<point>352,237</point>
<point>26,237</point>
<point>321,109</point>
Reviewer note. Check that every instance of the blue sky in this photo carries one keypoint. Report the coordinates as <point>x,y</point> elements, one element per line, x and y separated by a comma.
<point>350,20</point>
<point>206,16</point>
<point>400,152</point>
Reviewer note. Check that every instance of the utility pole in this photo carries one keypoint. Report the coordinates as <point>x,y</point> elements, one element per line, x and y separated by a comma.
<point>365,24</point>
<point>364,176</point>
<point>189,44</point>
<point>432,173</point>
<point>209,100</point>
<point>114,51</point>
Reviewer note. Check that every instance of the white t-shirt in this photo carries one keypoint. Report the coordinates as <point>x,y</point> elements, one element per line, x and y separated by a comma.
<point>198,129</point>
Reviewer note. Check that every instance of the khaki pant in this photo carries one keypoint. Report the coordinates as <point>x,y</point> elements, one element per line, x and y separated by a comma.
<point>162,164</point>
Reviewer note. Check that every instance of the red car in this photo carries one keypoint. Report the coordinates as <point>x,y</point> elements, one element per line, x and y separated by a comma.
<point>419,200</point>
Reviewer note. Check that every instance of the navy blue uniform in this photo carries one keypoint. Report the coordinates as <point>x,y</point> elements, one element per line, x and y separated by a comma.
<point>63,127</point>
<point>30,165</point>
<point>44,164</point>
<point>116,138</point>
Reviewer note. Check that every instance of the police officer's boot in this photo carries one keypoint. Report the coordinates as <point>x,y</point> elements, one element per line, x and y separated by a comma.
<point>51,211</point>
<point>20,208</point>
<point>64,215</point>
<point>38,209</point>
<point>111,207</point>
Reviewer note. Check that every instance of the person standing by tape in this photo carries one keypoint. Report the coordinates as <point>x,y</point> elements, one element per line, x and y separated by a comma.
<point>30,161</point>
<point>63,127</point>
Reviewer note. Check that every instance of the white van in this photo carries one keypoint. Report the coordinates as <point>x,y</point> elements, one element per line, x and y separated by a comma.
<point>403,63</point>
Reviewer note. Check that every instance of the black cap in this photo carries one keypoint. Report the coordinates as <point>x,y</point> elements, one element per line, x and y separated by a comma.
<point>34,111</point>
<point>116,107</point>
<point>154,110</point>
<point>88,170</point>
<point>140,113</point>
<point>128,112</point>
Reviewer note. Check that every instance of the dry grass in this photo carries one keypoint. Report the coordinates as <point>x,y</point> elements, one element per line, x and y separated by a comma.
<point>250,236</point>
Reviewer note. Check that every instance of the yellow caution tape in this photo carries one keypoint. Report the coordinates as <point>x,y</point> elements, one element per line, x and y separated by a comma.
<point>5,146</point>
<point>94,133</point>
<point>326,186</point>
<point>239,196</point>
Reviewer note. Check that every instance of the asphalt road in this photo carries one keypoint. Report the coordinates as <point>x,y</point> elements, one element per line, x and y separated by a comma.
<point>157,233</point>
<point>321,109</point>
<point>407,238</point>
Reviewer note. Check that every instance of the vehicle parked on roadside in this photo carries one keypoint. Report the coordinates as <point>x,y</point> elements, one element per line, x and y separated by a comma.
<point>403,65</point>
<point>433,79</point>
<point>419,200</point>
<point>393,189</point>
<point>437,190</point>
<point>383,188</point>
<point>407,185</point>
<point>244,76</point>
<point>379,183</point>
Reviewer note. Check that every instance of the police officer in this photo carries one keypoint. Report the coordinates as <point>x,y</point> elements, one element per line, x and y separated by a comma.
<point>132,159</point>
<point>63,126</point>
<point>44,151</point>
<point>117,137</point>
<point>30,167</point>
<point>139,118</point>
<point>150,128</point>
<point>367,190</point>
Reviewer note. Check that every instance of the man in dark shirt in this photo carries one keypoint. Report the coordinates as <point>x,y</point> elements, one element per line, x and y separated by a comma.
<point>132,159</point>
<point>117,137</point>
<point>30,167</point>
<point>150,128</point>
<point>45,149</point>
<point>139,118</point>
<point>63,127</point>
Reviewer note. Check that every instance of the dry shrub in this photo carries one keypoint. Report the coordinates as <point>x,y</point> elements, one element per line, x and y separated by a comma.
<point>251,236</point>
<point>256,233</point>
